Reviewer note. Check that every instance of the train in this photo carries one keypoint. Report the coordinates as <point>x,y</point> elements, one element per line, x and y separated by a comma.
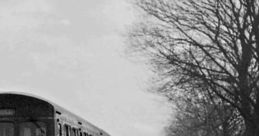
<point>28,115</point>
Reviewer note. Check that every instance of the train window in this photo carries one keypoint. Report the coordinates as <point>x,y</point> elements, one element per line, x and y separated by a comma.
<point>64,131</point>
<point>77,132</point>
<point>59,129</point>
<point>67,128</point>
<point>32,129</point>
<point>6,129</point>
<point>73,132</point>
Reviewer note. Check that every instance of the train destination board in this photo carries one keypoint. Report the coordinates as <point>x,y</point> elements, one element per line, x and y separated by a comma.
<point>7,112</point>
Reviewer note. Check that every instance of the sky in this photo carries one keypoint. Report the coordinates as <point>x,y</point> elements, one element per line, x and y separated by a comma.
<point>72,53</point>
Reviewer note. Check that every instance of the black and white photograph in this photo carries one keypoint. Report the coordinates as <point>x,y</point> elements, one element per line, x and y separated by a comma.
<point>129,67</point>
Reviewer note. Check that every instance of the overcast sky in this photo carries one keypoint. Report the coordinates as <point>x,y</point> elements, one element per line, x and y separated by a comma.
<point>71,52</point>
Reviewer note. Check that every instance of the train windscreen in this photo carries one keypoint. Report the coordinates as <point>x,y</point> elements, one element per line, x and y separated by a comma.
<point>22,115</point>
<point>32,129</point>
<point>6,129</point>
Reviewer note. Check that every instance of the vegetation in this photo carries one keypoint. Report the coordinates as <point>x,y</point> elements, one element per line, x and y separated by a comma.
<point>206,53</point>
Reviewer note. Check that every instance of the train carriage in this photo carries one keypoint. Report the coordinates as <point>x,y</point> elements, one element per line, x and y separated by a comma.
<point>25,115</point>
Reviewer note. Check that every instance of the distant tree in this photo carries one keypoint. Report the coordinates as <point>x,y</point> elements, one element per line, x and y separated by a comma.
<point>200,116</point>
<point>207,45</point>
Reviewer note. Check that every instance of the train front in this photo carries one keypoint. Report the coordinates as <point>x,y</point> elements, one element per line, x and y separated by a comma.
<point>22,115</point>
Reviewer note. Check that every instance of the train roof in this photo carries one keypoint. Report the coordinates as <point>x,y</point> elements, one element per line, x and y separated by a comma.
<point>64,112</point>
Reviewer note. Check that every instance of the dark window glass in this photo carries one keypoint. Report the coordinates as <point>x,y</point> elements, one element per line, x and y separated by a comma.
<point>59,129</point>
<point>67,130</point>
<point>6,129</point>
<point>32,129</point>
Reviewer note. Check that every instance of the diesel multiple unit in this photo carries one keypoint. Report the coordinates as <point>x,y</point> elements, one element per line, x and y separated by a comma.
<point>24,115</point>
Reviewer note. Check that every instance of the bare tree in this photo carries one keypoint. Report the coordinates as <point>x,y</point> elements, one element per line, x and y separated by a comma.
<point>198,115</point>
<point>206,45</point>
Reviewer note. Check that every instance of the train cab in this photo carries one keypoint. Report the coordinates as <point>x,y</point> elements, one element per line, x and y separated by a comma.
<point>25,115</point>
